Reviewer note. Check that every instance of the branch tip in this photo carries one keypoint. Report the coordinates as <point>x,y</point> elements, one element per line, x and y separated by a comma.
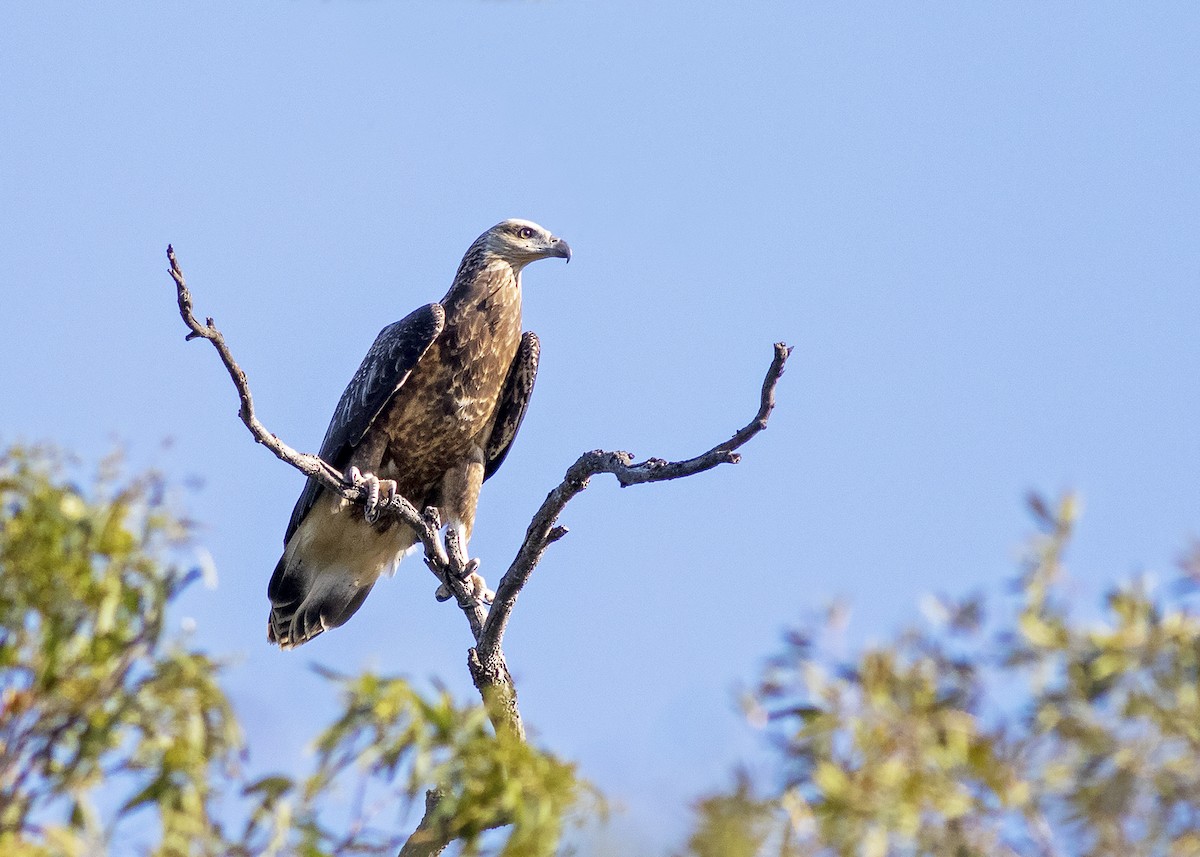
<point>544,531</point>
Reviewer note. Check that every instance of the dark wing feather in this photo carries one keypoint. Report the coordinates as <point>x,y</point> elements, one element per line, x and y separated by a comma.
<point>514,399</point>
<point>384,370</point>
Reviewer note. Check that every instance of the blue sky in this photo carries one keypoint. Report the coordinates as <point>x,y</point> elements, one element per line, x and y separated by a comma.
<point>977,223</point>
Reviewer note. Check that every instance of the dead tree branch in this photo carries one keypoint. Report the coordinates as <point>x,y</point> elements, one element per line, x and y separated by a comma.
<point>543,530</point>
<point>445,558</point>
<point>310,465</point>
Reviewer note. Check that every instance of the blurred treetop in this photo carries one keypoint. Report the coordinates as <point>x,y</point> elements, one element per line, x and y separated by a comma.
<point>1037,731</point>
<point>1030,729</point>
<point>104,714</point>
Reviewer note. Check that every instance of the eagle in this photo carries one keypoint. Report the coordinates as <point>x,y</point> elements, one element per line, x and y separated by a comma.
<point>430,414</point>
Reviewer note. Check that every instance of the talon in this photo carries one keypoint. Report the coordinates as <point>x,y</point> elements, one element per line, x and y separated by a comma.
<point>383,492</point>
<point>476,585</point>
<point>471,569</point>
<point>372,485</point>
<point>479,589</point>
<point>374,503</point>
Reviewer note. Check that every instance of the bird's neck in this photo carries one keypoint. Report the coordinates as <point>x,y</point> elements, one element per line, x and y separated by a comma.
<point>483,311</point>
<point>483,280</point>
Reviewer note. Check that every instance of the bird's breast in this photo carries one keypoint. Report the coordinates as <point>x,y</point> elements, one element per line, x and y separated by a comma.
<point>448,402</point>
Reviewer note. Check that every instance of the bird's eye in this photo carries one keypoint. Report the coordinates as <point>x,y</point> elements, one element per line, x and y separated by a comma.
<point>525,232</point>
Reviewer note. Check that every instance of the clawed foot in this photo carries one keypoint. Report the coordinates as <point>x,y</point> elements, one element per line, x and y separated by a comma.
<point>380,492</point>
<point>475,583</point>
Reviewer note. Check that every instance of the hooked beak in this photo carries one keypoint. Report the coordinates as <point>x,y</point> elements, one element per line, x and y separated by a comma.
<point>559,248</point>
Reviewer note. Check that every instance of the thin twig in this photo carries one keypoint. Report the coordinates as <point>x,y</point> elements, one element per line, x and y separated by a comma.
<point>310,465</point>
<point>542,531</point>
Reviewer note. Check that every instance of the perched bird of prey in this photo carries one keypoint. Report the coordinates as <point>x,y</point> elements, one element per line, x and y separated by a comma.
<point>430,414</point>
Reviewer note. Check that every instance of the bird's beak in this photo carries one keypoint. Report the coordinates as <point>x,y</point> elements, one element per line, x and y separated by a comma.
<point>559,248</point>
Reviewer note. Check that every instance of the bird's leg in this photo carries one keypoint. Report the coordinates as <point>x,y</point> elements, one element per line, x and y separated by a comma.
<point>457,534</point>
<point>459,496</point>
<point>476,583</point>
<point>380,492</point>
<point>471,575</point>
<point>479,587</point>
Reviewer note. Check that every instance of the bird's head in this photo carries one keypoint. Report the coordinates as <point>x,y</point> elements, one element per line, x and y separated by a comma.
<point>520,242</point>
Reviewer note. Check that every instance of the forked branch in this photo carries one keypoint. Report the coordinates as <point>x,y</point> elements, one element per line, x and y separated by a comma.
<point>543,530</point>
<point>445,557</point>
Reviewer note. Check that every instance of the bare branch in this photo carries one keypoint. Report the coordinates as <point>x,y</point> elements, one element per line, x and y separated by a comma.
<point>310,465</point>
<point>542,531</point>
<point>486,661</point>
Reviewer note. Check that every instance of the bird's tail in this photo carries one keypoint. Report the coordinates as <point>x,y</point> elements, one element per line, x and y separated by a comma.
<point>305,602</point>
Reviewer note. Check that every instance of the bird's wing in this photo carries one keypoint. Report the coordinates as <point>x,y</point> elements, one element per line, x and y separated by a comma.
<point>514,399</point>
<point>384,370</point>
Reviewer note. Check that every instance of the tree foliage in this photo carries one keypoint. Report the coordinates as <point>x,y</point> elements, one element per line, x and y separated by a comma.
<point>1028,728</point>
<point>93,691</point>
<point>114,731</point>
<point>1043,731</point>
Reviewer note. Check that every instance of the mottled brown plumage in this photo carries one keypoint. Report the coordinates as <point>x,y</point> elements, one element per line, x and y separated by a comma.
<point>434,409</point>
